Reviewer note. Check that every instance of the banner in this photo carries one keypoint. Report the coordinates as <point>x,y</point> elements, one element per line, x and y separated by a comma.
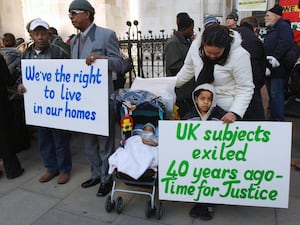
<point>292,13</point>
<point>66,94</point>
<point>243,163</point>
<point>252,5</point>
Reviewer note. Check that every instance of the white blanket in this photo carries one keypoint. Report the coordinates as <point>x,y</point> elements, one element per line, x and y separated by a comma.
<point>135,158</point>
<point>160,86</point>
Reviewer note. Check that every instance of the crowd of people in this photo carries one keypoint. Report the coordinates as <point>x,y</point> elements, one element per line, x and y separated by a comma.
<point>219,75</point>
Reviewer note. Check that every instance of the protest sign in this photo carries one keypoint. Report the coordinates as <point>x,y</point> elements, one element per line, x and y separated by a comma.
<point>66,94</point>
<point>243,163</point>
<point>252,5</point>
<point>291,13</point>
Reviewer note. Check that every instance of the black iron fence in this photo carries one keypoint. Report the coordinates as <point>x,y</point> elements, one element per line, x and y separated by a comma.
<point>147,53</point>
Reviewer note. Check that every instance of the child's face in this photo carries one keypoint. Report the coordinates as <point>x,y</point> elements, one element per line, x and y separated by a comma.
<point>148,128</point>
<point>204,101</point>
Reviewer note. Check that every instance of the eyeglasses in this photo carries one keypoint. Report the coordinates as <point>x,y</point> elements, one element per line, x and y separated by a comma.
<point>75,12</point>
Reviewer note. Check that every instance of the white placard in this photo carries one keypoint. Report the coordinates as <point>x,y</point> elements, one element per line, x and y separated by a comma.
<point>252,5</point>
<point>66,94</point>
<point>243,163</point>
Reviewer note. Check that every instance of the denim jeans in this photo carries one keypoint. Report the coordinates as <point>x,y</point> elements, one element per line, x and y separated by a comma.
<point>55,149</point>
<point>276,92</point>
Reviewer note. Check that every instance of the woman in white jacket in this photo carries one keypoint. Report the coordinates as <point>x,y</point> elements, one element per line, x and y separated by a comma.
<point>217,57</point>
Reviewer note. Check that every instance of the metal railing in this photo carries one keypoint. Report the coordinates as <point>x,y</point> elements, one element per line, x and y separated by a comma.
<point>146,52</point>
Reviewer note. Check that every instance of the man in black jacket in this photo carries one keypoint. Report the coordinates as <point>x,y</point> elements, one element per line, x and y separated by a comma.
<point>11,162</point>
<point>248,30</point>
<point>277,41</point>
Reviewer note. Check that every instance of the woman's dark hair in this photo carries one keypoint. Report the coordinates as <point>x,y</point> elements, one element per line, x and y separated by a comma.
<point>219,36</point>
<point>216,35</point>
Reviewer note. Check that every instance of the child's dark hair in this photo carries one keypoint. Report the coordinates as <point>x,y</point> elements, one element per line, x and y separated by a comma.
<point>197,93</point>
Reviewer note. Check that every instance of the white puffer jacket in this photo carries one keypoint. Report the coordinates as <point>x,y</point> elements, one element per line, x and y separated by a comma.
<point>233,81</point>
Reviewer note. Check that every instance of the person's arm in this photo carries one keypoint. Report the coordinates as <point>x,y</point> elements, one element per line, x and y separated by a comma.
<point>244,87</point>
<point>149,142</point>
<point>20,87</point>
<point>187,71</point>
<point>112,54</point>
<point>284,41</point>
<point>173,56</point>
<point>5,74</point>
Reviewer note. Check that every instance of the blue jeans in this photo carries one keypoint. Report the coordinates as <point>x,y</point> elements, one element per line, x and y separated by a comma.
<point>55,149</point>
<point>276,98</point>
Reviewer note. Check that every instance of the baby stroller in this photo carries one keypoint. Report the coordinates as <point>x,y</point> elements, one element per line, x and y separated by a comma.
<point>134,109</point>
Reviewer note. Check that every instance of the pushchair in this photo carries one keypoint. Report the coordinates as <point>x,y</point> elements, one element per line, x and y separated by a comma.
<point>135,108</point>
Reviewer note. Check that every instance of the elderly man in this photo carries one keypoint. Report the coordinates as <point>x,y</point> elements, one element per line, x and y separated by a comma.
<point>54,144</point>
<point>277,41</point>
<point>94,42</point>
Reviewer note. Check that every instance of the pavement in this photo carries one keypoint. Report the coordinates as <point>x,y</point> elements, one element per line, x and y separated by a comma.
<point>25,201</point>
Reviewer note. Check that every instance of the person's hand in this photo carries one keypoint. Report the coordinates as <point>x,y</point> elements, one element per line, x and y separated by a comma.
<point>268,72</point>
<point>149,142</point>
<point>21,88</point>
<point>92,58</point>
<point>193,37</point>
<point>229,118</point>
<point>273,61</point>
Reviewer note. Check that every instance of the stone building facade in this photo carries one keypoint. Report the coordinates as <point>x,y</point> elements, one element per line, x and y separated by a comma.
<point>154,16</point>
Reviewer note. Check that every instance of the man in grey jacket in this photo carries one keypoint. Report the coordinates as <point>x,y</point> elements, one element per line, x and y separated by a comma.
<point>94,42</point>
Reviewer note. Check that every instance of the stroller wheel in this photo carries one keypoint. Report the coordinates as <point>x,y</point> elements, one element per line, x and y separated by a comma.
<point>159,211</point>
<point>119,205</point>
<point>109,205</point>
<point>148,209</point>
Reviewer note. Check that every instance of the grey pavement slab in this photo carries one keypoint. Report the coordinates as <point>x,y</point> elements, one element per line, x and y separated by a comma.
<point>290,216</point>
<point>20,207</point>
<point>64,218</point>
<point>129,220</point>
<point>241,215</point>
<point>85,202</point>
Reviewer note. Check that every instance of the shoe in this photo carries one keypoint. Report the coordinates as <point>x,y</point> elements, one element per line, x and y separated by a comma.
<point>90,183</point>
<point>104,189</point>
<point>19,173</point>
<point>195,211</point>
<point>63,178</point>
<point>47,177</point>
<point>202,211</point>
<point>297,165</point>
<point>206,212</point>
